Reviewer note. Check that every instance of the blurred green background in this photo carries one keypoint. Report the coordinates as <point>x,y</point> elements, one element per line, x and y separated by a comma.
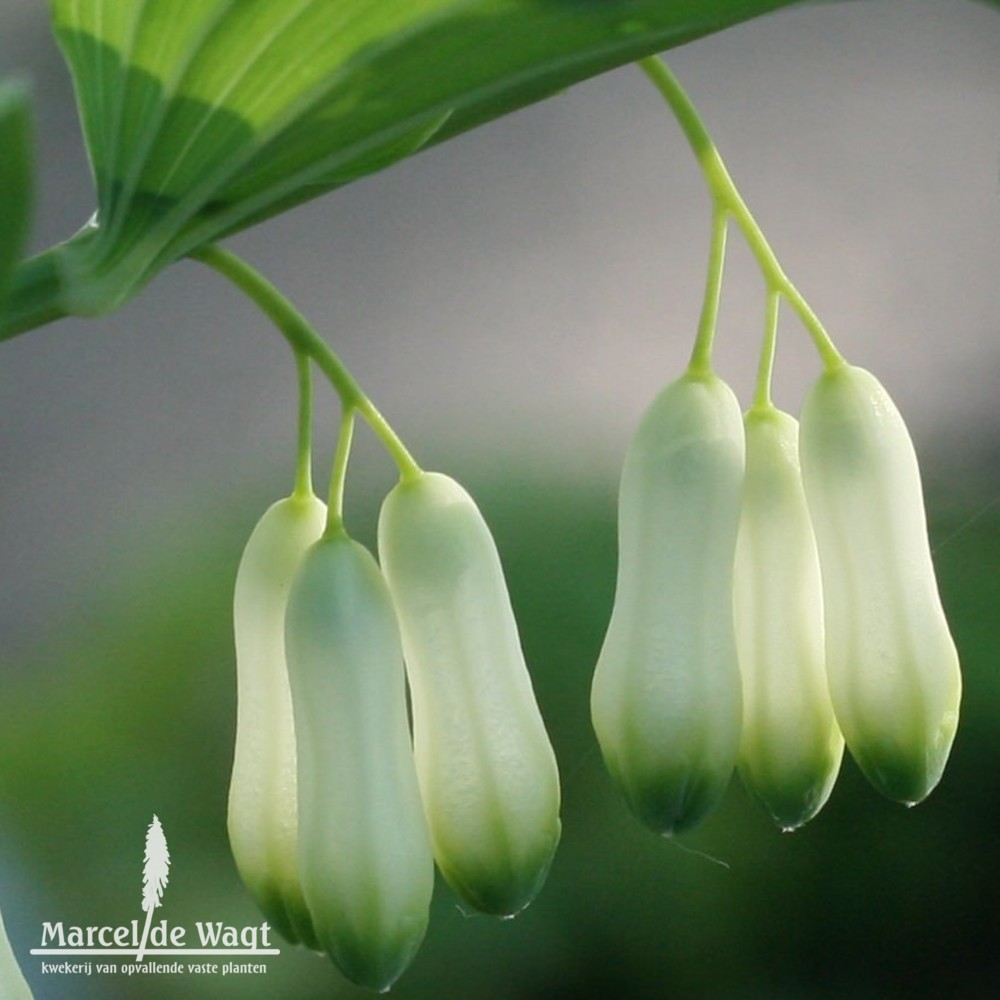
<point>513,300</point>
<point>870,900</point>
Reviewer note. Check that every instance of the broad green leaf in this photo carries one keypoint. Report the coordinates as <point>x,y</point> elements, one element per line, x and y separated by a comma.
<point>15,178</point>
<point>204,116</point>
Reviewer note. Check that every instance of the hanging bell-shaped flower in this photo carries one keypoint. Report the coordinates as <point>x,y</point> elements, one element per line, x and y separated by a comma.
<point>364,856</point>
<point>666,698</point>
<point>487,771</point>
<point>263,806</point>
<point>892,664</point>
<point>791,747</point>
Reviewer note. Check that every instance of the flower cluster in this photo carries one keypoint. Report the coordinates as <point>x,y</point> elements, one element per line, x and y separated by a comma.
<point>336,818</point>
<point>764,608</point>
<point>775,602</point>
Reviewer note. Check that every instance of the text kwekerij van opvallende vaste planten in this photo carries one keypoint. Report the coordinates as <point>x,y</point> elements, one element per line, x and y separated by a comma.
<point>769,609</point>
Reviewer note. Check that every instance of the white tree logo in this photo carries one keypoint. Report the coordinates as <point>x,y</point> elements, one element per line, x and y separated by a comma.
<point>155,872</point>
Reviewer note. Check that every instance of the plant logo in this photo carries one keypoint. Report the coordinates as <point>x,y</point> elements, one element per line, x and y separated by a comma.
<point>155,872</point>
<point>101,946</point>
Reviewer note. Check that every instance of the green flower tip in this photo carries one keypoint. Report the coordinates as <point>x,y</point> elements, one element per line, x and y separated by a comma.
<point>506,871</point>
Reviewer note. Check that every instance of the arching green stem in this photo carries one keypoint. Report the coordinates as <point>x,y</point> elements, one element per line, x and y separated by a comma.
<point>303,338</point>
<point>303,465</point>
<point>726,196</point>
<point>338,475</point>
<point>701,356</point>
<point>762,393</point>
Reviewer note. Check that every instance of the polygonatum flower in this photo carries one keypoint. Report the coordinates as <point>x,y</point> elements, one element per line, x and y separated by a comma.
<point>263,804</point>
<point>893,668</point>
<point>487,771</point>
<point>666,699</point>
<point>364,856</point>
<point>790,747</point>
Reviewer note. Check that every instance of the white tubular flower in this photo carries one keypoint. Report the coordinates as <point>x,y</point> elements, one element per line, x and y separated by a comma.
<point>364,856</point>
<point>791,747</point>
<point>487,771</point>
<point>666,699</point>
<point>262,794</point>
<point>893,668</point>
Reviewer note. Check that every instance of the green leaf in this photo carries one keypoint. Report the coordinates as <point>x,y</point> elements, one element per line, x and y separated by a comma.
<point>15,178</point>
<point>204,116</point>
